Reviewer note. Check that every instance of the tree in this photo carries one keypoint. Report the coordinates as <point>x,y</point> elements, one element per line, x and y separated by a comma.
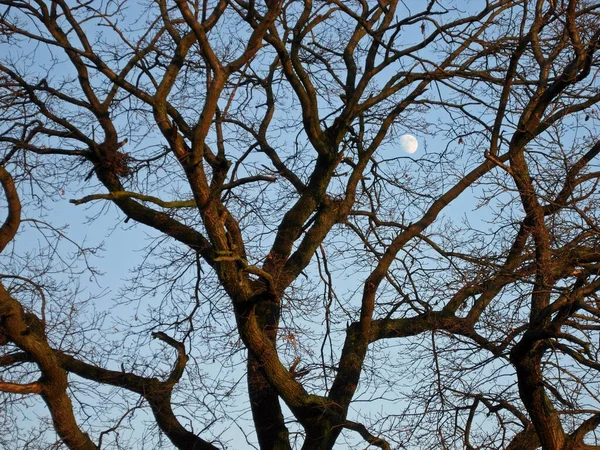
<point>443,300</point>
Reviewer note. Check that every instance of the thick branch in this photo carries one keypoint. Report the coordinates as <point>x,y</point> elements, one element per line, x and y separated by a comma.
<point>11,224</point>
<point>155,391</point>
<point>26,332</point>
<point>16,388</point>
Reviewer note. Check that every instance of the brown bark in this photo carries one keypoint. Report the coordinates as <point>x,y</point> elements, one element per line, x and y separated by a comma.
<point>26,332</point>
<point>266,411</point>
<point>156,392</point>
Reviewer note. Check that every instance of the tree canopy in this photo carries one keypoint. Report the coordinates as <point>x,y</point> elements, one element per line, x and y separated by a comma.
<point>304,282</point>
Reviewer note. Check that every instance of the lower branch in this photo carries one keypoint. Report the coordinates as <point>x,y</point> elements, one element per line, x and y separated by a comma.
<point>366,435</point>
<point>26,332</point>
<point>156,392</point>
<point>16,388</point>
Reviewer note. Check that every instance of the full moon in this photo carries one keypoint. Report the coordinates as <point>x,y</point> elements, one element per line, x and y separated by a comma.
<point>409,143</point>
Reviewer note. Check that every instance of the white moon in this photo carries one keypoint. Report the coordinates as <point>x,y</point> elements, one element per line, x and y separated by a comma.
<point>409,143</point>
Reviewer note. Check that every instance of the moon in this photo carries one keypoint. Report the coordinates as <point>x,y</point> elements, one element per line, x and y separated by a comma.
<point>409,143</point>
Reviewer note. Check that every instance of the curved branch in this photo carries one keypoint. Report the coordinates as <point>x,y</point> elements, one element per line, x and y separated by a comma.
<point>182,357</point>
<point>156,392</point>
<point>11,224</point>
<point>26,332</point>
<point>367,436</point>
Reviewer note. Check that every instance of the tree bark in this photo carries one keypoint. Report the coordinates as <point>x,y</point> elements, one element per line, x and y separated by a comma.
<point>266,411</point>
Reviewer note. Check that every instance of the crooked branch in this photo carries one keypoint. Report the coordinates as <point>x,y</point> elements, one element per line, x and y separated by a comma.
<point>366,435</point>
<point>145,198</point>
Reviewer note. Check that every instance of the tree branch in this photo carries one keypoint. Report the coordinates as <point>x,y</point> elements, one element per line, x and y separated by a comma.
<point>362,430</point>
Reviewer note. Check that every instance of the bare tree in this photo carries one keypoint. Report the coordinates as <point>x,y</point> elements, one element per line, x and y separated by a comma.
<point>299,263</point>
